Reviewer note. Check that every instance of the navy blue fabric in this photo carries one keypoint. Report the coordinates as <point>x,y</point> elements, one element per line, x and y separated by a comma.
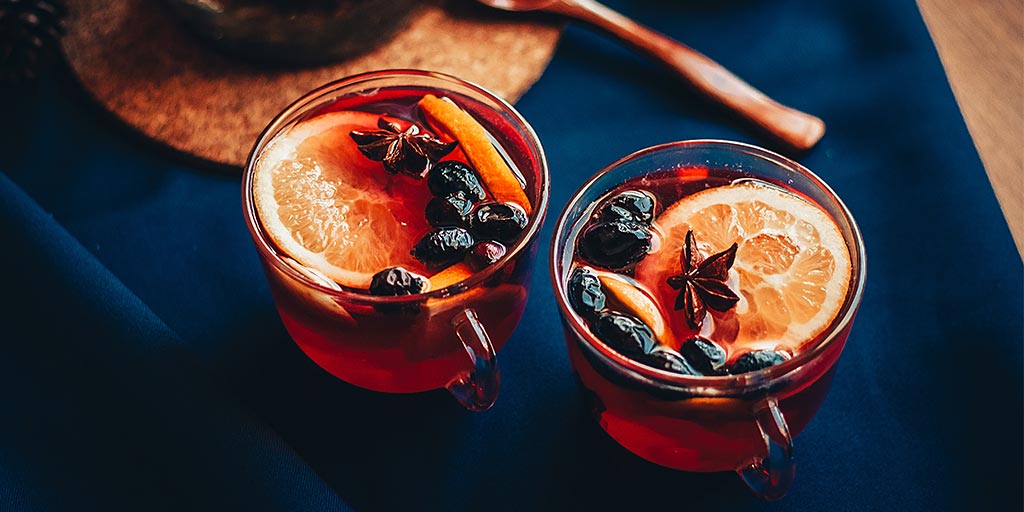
<point>103,404</point>
<point>180,389</point>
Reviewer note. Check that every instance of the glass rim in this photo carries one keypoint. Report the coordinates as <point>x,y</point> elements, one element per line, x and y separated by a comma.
<point>730,383</point>
<point>274,256</point>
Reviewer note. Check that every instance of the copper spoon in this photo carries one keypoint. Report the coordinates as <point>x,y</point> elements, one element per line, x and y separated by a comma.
<point>798,129</point>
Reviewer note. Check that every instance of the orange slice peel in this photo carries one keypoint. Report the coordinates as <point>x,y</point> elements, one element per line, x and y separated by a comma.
<point>475,143</point>
<point>636,302</point>
<point>449,276</point>
<point>792,269</point>
<point>332,209</point>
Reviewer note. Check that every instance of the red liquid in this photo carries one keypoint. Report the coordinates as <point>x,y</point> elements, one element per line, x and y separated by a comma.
<point>411,348</point>
<point>685,429</point>
<point>399,352</point>
<point>699,433</point>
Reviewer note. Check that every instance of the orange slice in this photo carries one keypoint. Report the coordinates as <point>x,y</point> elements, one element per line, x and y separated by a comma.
<point>636,302</point>
<point>331,208</point>
<point>497,176</point>
<point>792,269</point>
<point>449,276</point>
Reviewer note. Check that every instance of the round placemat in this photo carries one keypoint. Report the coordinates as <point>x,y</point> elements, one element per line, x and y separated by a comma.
<point>142,65</point>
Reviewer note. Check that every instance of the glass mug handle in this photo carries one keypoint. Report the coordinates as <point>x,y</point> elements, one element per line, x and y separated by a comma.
<point>478,389</point>
<point>770,476</point>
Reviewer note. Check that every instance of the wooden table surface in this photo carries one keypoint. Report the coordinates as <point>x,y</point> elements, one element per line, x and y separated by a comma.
<point>981,43</point>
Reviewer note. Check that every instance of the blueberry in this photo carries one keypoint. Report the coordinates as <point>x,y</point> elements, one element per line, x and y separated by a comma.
<point>757,360</point>
<point>626,334</point>
<point>450,210</point>
<point>614,245</point>
<point>450,176</point>
<point>484,254</point>
<point>704,355</point>
<point>396,281</point>
<point>585,294</point>
<point>497,221</point>
<point>664,358</point>
<point>631,205</point>
<point>443,246</point>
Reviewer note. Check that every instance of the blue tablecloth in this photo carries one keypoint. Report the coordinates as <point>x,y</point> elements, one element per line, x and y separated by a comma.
<point>143,366</point>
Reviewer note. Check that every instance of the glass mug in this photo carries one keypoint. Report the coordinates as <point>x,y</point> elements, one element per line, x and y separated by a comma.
<point>445,338</point>
<point>744,423</point>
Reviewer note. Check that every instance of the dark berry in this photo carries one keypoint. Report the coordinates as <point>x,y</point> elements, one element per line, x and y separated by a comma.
<point>631,205</point>
<point>484,254</point>
<point>497,221</point>
<point>450,210</point>
<point>614,245</point>
<point>626,334</point>
<point>396,281</point>
<point>585,294</point>
<point>704,355</point>
<point>451,176</point>
<point>443,246</point>
<point>664,358</point>
<point>757,360</point>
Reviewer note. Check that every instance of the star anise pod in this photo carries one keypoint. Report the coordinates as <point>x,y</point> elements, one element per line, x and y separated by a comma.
<point>408,151</point>
<point>702,283</point>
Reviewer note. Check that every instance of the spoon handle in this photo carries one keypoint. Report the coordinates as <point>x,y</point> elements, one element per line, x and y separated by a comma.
<point>796,128</point>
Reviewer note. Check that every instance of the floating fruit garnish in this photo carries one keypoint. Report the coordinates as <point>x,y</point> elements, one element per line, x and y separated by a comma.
<point>449,276</point>
<point>614,245</point>
<point>451,177</point>
<point>757,360</point>
<point>331,209</point>
<point>637,303</point>
<point>450,210</point>
<point>394,281</point>
<point>484,254</point>
<point>664,358</point>
<point>443,246</point>
<point>704,355</point>
<point>497,176</point>
<point>409,151</point>
<point>586,296</point>
<point>503,222</point>
<point>702,283</point>
<point>626,334</point>
<point>791,270</point>
<point>628,205</point>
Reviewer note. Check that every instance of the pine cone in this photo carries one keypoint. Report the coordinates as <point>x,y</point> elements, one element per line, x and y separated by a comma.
<point>30,32</point>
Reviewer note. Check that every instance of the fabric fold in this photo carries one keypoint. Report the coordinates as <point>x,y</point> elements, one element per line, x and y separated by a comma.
<point>104,407</point>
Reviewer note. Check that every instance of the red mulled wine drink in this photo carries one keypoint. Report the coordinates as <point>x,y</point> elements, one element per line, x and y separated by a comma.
<point>396,216</point>
<point>707,291</point>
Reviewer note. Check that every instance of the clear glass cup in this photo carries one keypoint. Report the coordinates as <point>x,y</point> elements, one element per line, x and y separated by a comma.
<point>744,423</point>
<point>445,338</point>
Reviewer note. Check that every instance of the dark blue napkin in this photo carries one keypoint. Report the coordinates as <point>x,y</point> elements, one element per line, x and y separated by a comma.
<point>104,407</point>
